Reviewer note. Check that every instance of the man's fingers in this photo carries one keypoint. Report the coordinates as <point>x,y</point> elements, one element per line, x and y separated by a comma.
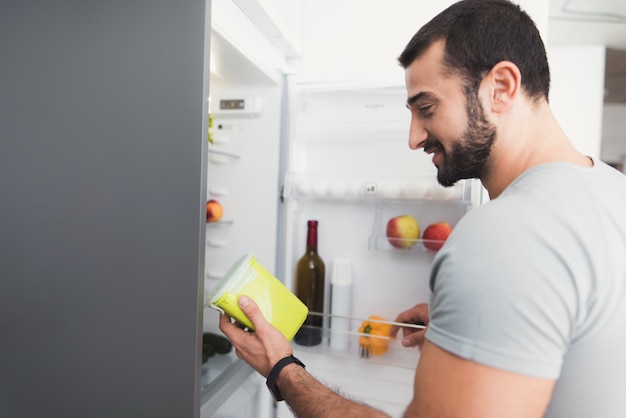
<point>394,331</point>
<point>224,319</point>
<point>414,339</point>
<point>251,310</point>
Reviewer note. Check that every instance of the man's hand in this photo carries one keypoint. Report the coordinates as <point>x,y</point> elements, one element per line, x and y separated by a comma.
<point>412,337</point>
<point>262,348</point>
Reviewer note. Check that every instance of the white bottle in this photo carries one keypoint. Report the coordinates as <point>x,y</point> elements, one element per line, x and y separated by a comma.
<point>340,304</point>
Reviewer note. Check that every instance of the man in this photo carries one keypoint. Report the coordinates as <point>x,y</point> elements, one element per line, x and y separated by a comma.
<point>528,306</point>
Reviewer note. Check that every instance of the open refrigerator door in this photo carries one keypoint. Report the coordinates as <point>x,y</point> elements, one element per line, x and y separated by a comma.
<point>242,185</point>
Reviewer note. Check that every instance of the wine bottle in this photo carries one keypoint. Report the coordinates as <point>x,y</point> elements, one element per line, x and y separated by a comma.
<point>309,285</point>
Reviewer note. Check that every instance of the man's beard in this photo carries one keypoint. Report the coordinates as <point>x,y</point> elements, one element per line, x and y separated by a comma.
<point>468,157</point>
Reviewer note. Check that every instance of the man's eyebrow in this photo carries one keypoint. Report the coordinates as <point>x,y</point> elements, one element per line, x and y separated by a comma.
<point>421,95</point>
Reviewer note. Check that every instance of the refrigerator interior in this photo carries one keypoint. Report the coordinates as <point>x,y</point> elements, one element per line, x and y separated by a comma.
<point>349,167</point>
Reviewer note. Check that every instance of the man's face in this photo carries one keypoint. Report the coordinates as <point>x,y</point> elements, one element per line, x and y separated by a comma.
<point>447,120</point>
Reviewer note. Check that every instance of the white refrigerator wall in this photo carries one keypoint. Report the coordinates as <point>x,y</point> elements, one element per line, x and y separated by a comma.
<point>343,141</point>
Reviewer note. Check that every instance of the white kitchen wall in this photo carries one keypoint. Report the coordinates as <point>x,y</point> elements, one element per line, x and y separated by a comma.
<point>577,94</point>
<point>359,40</point>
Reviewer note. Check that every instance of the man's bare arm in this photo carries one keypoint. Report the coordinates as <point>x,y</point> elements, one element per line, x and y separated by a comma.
<point>309,398</point>
<point>448,386</point>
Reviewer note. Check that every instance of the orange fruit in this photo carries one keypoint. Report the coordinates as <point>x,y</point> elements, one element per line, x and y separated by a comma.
<point>214,211</point>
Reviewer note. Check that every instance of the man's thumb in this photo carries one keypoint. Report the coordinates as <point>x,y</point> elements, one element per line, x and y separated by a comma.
<point>249,308</point>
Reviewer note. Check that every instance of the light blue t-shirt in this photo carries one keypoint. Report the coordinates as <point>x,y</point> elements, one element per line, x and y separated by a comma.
<point>534,282</point>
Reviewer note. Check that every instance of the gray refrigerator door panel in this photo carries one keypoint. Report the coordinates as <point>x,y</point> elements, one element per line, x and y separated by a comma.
<point>102,187</point>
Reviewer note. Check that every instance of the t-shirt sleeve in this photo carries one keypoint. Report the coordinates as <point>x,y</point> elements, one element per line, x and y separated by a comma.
<point>500,297</point>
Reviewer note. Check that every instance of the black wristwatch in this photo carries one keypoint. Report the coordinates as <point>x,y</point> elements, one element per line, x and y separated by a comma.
<point>271,378</point>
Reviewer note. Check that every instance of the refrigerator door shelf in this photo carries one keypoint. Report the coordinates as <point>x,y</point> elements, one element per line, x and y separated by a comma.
<point>218,224</point>
<point>221,157</point>
<point>216,243</point>
<point>218,192</point>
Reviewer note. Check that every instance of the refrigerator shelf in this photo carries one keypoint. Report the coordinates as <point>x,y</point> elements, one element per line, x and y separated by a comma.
<point>363,200</point>
<point>370,187</point>
<point>381,243</point>
<point>344,343</point>
<point>424,217</point>
<point>219,224</point>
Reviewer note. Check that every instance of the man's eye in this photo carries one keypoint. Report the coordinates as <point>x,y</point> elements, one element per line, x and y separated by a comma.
<point>426,110</point>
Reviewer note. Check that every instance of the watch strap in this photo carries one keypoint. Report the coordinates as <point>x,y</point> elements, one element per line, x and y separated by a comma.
<point>273,375</point>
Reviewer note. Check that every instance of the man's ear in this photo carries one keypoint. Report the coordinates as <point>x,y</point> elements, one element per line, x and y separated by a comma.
<point>504,81</point>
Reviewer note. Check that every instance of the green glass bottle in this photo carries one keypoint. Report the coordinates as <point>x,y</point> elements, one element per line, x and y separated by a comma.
<point>309,286</point>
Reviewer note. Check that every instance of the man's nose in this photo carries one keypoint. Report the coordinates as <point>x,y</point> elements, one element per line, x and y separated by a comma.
<point>417,134</point>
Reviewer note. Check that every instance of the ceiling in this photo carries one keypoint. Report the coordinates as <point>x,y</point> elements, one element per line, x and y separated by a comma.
<point>594,22</point>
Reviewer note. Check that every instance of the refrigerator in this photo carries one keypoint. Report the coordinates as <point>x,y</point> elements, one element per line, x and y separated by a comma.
<point>285,152</point>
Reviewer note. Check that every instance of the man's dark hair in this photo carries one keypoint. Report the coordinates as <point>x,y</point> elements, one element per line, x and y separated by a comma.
<point>480,33</point>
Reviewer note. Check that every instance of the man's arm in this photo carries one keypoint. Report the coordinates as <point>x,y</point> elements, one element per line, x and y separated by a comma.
<point>309,398</point>
<point>448,386</point>
<point>264,347</point>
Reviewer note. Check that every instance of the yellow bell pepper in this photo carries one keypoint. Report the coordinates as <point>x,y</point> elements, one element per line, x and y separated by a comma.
<point>377,344</point>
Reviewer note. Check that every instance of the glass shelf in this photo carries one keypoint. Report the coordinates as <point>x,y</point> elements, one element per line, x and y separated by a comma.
<point>449,212</point>
<point>347,340</point>
<point>218,224</point>
<point>378,242</point>
<point>370,187</point>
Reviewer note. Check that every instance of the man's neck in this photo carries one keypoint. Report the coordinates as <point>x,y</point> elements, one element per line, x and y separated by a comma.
<point>531,140</point>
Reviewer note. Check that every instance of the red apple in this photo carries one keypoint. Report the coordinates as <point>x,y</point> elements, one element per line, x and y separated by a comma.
<point>214,211</point>
<point>403,231</point>
<point>435,235</point>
